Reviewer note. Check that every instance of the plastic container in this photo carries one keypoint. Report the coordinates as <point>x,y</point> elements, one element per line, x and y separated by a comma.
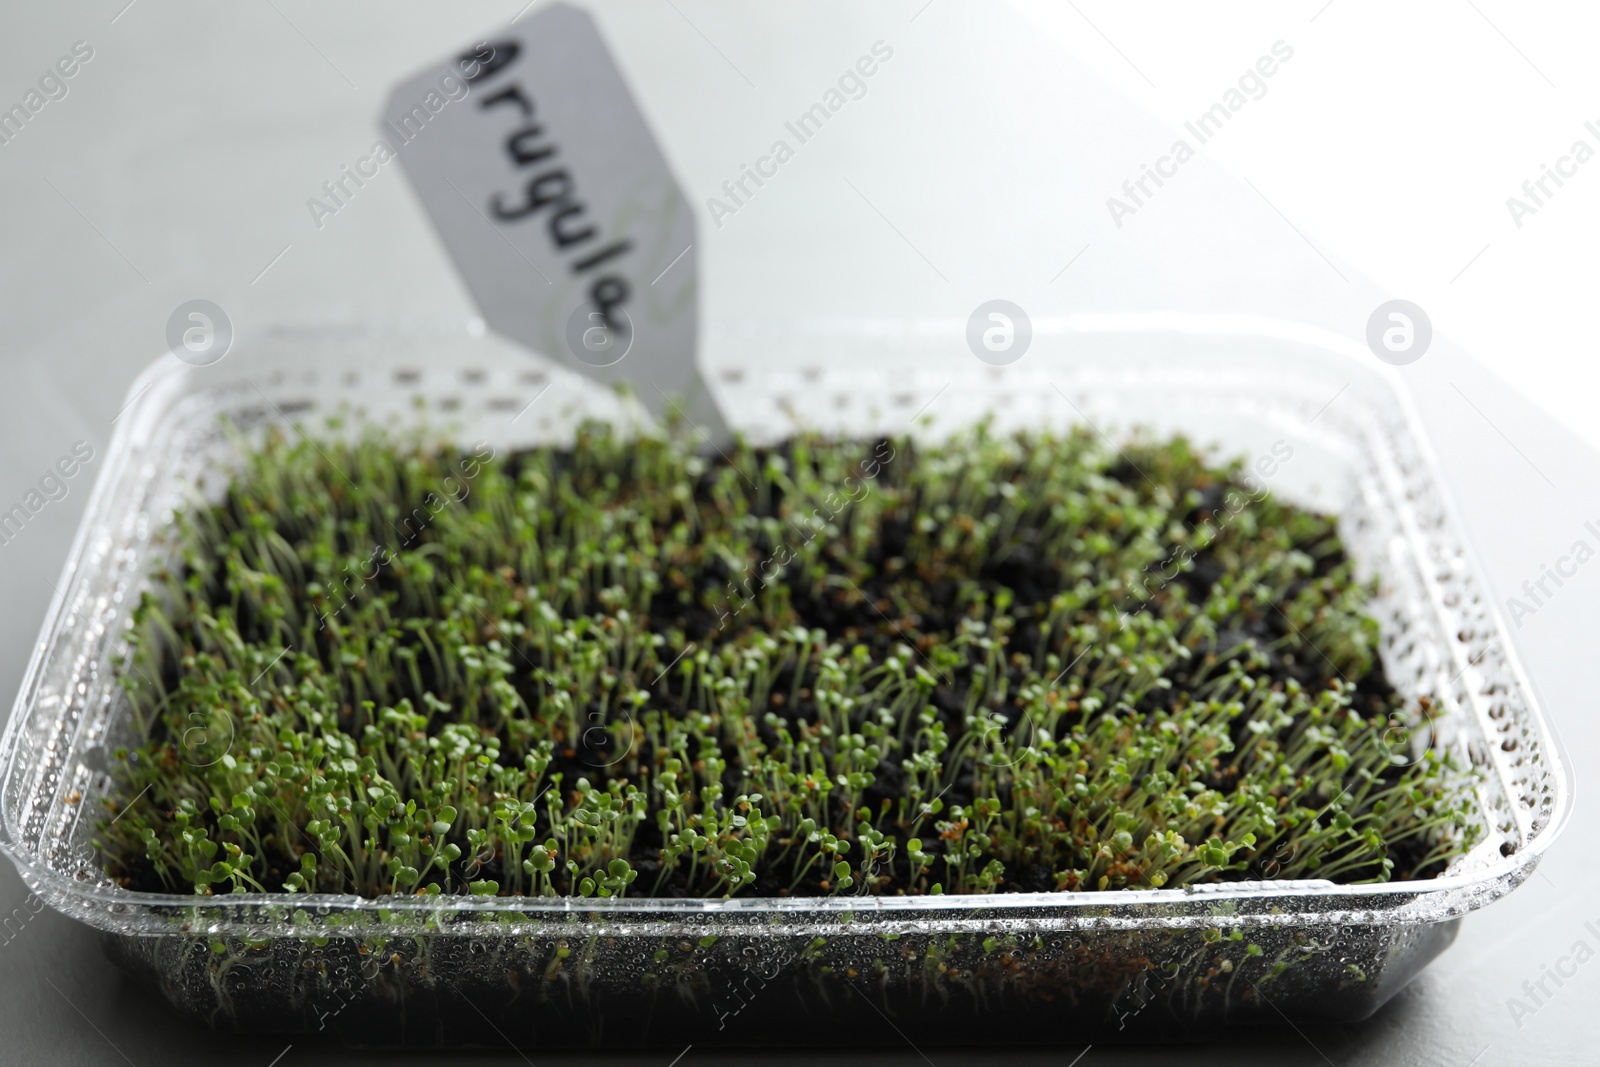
<point>1010,967</point>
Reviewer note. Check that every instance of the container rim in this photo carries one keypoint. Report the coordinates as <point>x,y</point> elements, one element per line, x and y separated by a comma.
<point>1470,890</point>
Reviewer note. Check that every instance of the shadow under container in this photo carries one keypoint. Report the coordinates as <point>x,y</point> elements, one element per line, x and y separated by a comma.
<point>1009,967</point>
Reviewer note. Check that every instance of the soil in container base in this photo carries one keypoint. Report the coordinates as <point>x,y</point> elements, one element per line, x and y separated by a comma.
<point>1003,663</point>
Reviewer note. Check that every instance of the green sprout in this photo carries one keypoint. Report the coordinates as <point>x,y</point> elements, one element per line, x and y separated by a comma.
<point>829,667</point>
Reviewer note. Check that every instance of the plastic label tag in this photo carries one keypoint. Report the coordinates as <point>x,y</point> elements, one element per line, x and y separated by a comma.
<point>558,207</point>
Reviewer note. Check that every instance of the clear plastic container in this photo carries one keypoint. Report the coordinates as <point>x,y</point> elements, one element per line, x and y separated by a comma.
<point>458,971</point>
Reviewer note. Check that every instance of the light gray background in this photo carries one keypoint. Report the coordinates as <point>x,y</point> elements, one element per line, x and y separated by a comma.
<point>975,167</point>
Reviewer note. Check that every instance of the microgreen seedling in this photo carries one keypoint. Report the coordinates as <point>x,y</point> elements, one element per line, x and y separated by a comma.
<point>1002,663</point>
